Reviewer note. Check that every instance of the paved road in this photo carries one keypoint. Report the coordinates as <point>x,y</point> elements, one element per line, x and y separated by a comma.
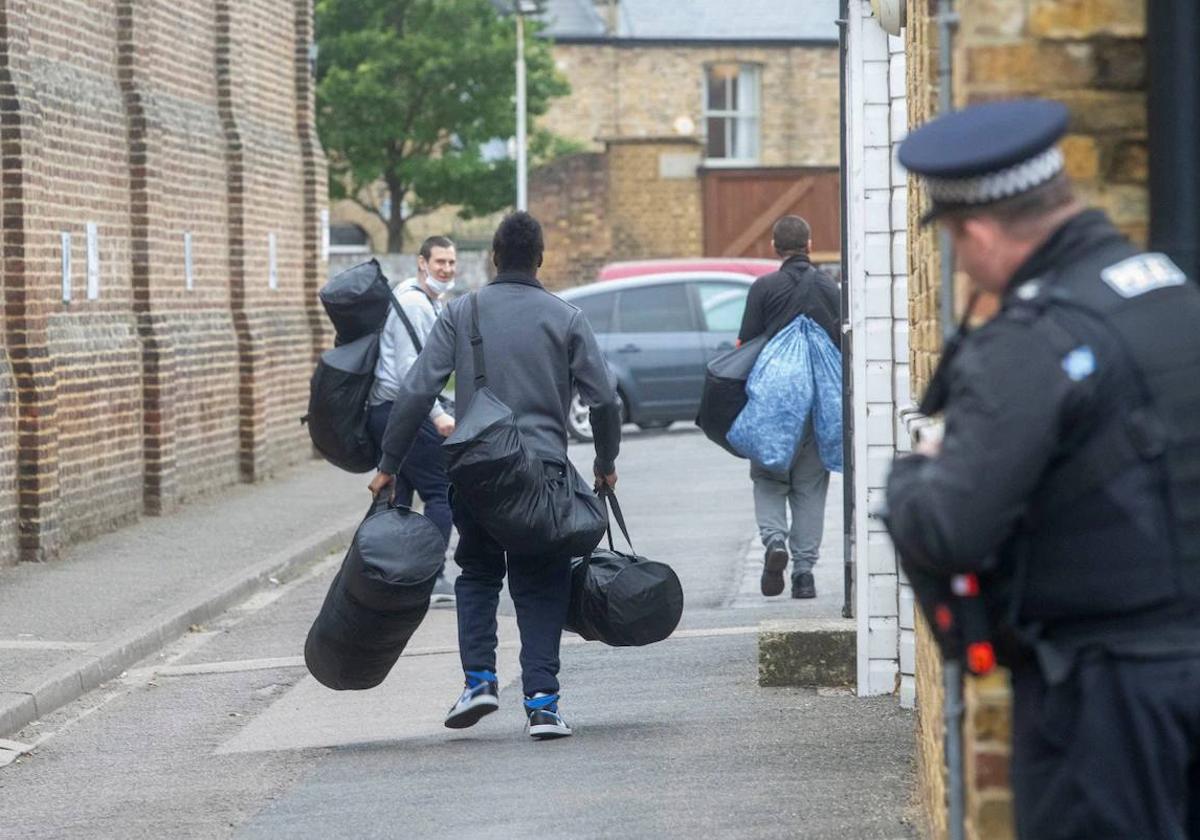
<point>224,734</point>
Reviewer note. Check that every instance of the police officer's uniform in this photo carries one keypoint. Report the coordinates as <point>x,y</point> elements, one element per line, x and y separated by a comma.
<point>1070,474</point>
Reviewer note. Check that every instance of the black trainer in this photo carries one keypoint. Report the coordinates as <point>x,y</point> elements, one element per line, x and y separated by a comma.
<point>480,697</point>
<point>803,586</point>
<point>544,721</point>
<point>774,562</point>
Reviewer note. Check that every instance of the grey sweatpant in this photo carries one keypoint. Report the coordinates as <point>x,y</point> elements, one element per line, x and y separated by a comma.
<point>803,489</point>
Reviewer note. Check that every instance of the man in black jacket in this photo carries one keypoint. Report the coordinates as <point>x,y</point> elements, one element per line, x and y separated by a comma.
<point>538,349</point>
<point>1068,477</point>
<point>775,300</point>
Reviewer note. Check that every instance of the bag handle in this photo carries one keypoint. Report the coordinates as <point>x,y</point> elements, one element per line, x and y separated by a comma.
<point>383,501</point>
<point>477,344</point>
<point>610,500</point>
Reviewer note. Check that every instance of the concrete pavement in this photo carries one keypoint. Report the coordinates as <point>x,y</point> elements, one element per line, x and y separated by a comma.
<point>66,627</point>
<point>223,734</point>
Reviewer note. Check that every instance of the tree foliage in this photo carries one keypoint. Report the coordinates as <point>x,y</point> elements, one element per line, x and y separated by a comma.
<point>410,91</point>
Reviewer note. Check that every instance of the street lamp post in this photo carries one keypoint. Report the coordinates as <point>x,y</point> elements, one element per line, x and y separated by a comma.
<point>522,8</point>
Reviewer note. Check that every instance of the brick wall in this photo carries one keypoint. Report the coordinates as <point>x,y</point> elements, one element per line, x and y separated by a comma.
<point>1091,56</point>
<point>628,202</point>
<point>570,199</point>
<point>653,213</point>
<point>130,399</point>
<point>631,90</point>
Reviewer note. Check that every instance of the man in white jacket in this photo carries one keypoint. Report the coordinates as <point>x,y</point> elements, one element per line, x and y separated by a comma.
<point>424,470</point>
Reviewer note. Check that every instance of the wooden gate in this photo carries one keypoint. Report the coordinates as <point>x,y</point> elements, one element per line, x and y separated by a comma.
<point>741,206</point>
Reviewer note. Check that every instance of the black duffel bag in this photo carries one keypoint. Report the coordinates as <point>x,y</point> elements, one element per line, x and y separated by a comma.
<point>377,600</point>
<point>724,394</point>
<point>527,505</point>
<point>357,301</point>
<point>623,599</point>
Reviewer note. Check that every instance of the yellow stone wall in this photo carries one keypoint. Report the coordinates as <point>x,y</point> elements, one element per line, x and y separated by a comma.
<point>655,91</point>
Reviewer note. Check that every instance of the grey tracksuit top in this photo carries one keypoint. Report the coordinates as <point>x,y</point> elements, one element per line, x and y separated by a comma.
<point>538,349</point>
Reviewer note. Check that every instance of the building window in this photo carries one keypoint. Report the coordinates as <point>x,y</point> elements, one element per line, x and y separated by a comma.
<point>348,239</point>
<point>731,112</point>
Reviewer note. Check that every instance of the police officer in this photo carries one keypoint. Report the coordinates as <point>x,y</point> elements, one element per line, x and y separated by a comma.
<point>1068,477</point>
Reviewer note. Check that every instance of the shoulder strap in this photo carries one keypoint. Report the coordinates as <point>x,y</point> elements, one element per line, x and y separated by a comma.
<point>477,344</point>
<point>412,333</point>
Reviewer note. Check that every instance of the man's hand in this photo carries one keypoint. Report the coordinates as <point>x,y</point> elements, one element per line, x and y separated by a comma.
<point>609,481</point>
<point>383,481</point>
<point>444,425</point>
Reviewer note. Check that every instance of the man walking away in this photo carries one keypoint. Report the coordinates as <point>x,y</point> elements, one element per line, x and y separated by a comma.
<point>424,470</point>
<point>538,350</point>
<point>775,300</point>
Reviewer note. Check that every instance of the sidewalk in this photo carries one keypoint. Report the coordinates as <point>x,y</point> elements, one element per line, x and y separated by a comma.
<point>68,626</point>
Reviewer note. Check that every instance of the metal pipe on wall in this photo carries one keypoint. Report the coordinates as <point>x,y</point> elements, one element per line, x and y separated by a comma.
<point>1173,112</point>
<point>947,23</point>
<point>847,355</point>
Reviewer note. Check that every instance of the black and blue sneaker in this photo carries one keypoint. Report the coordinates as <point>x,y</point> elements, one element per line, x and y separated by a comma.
<point>480,697</point>
<point>544,720</point>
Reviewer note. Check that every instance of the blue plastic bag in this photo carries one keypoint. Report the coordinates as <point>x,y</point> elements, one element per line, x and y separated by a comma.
<point>798,376</point>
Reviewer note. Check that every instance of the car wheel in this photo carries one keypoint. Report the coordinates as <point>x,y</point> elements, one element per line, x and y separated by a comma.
<point>579,423</point>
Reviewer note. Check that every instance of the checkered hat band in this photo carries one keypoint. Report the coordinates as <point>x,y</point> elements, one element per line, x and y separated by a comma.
<point>984,189</point>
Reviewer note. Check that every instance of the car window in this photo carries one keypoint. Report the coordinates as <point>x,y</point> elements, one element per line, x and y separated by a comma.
<point>598,309</point>
<point>722,305</point>
<point>663,308</point>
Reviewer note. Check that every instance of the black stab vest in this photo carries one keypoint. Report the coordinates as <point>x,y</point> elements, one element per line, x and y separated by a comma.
<point>1111,538</point>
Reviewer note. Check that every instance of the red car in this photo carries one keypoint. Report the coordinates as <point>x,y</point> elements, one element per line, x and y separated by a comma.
<point>725,265</point>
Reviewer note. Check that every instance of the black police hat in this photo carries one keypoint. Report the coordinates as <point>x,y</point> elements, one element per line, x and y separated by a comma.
<point>986,153</point>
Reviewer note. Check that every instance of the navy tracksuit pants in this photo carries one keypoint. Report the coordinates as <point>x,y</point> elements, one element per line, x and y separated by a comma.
<point>541,591</point>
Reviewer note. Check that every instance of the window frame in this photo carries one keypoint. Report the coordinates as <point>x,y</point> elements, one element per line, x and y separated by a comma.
<point>732,117</point>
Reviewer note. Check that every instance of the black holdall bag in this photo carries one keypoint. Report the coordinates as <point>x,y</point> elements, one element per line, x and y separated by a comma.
<point>527,505</point>
<point>623,599</point>
<point>724,394</point>
<point>357,302</point>
<point>377,600</point>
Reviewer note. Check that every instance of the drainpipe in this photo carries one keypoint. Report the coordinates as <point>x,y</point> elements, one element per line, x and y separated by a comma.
<point>1173,112</point>
<point>847,355</point>
<point>947,24</point>
<point>952,675</point>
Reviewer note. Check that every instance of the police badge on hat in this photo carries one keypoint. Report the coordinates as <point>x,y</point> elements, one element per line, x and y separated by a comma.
<point>986,153</point>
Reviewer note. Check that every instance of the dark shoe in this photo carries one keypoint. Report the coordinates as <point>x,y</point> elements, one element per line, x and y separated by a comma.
<point>480,697</point>
<point>804,587</point>
<point>544,720</point>
<point>774,562</point>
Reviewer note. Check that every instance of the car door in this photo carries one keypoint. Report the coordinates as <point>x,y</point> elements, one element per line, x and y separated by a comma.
<point>721,304</point>
<point>657,343</point>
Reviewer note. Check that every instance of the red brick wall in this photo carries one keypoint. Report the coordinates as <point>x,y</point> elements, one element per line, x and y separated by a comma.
<point>152,119</point>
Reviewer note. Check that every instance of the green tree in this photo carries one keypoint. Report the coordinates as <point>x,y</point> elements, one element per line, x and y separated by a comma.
<point>409,92</point>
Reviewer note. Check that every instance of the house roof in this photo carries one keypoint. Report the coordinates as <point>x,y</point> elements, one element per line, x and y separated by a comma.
<point>696,20</point>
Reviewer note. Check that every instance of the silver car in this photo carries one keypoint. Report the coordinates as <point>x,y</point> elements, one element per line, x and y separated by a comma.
<point>658,333</point>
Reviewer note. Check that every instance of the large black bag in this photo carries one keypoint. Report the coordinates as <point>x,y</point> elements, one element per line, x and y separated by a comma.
<point>724,394</point>
<point>524,503</point>
<point>357,302</point>
<point>377,600</point>
<point>623,599</point>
